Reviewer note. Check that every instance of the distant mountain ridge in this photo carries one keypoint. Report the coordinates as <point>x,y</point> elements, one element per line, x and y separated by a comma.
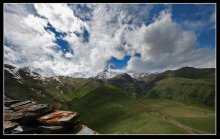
<point>111,71</point>
<point>186,84</point>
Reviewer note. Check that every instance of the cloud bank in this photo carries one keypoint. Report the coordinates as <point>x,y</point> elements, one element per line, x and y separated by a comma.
<point>34,36</point>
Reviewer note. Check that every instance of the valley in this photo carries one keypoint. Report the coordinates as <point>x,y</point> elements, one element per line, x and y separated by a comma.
<point>114,114</point>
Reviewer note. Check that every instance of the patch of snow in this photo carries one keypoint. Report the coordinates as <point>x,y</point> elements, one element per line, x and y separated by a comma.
<point>61,91</point>
<point>56,78</point>
<point>20,82</point>
<point>14,72</point>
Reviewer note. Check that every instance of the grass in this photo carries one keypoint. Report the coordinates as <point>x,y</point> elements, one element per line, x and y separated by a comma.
<point>193,91</point>
<point>202,118</point>
<point>108,111</point>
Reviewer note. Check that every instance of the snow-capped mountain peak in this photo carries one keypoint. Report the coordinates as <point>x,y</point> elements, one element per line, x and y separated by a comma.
<point>136,75</point>
<point>111,71</point>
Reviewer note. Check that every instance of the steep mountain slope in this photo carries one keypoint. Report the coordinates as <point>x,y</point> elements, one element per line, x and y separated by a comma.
<point>134,87</point>
<point>21,84</point>
<point>189,85</point>
<point>195,91</point>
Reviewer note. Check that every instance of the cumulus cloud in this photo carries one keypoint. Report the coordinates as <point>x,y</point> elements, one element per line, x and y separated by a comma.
<point>60,17</point>
<point>23,34</point>
<point>164,45</point>
<point>113,30</point>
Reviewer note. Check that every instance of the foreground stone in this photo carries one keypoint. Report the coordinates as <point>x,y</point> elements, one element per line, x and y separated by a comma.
<point>19,104</point>
<point>27,117</point>
<point>59,118</point>
<point>23,106</point>
<point>8,126</point>
<point>51,129</point>
<point>10,102</point>
<point>27,113</point>
<point>14,116</point>
<point>86,130</point>
<point>17,130</point>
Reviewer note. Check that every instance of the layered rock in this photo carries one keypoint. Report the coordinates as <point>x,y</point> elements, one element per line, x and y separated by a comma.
<point>28,117</point>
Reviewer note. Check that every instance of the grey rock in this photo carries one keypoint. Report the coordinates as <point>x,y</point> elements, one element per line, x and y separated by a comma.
<point>19,104</point>
<point>24,106</point>
<point>59,118</point>
<point>17,130</point>
<point>9,126</point>
<point>8,111</point>
<point>50,129</point>
<point>10,102</point>
<point>86,130</point>
<point>15,116</point>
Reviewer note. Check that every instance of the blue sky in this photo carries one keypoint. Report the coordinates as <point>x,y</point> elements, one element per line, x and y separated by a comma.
<point>181,13</point>
<point>84,38</point>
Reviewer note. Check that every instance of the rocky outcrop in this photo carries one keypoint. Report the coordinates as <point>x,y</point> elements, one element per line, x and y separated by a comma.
<point>28,117</point>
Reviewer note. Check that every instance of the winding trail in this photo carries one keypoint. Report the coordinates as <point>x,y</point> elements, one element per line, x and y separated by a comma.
<point>173,121</point>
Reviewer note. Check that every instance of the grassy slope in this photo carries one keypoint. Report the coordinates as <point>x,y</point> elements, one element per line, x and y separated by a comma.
<point>195,91</point>
<point>202,118</point>
<point>109,111</point>
<point>48,93</point>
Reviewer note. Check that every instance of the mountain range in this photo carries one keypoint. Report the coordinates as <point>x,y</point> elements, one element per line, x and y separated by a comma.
<point>112,95</point>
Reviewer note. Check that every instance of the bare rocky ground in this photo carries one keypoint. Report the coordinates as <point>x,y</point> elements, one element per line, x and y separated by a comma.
<point>28,117</point>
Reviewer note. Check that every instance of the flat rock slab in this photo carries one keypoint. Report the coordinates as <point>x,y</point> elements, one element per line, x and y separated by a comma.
<point>15,116</point>
<point>24,106</point>
<point>6,108</point>
<point>27,113</point>
<point>86,130</point>
<point>59,118</point>
<point>10,102</point>
<point>8,111</point>
<point>33,112</point>
<point>8,126</point>
<point>38,109</point>
<point>51,129</point>
<point>19,104</point>
<point>27,117</point>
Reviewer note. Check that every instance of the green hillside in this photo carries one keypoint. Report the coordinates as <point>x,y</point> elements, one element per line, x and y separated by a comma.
<point>195,91</point>
<point>109,111</point>
<point>50,90</point>
<point>192,73</point>
<point>173,102</point>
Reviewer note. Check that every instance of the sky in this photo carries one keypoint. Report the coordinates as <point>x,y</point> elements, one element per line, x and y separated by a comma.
<point>81,39</point>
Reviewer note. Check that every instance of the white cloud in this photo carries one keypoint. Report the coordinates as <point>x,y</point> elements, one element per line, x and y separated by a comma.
<point>194,25</point>
<point>114,30</point>
<point>164,45</point>
<point>68,55</point>
<point>23,34</point>
<point>60,17</point>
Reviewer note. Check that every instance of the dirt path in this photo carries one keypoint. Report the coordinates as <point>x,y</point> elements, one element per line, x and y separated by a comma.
<point>173,121</point>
